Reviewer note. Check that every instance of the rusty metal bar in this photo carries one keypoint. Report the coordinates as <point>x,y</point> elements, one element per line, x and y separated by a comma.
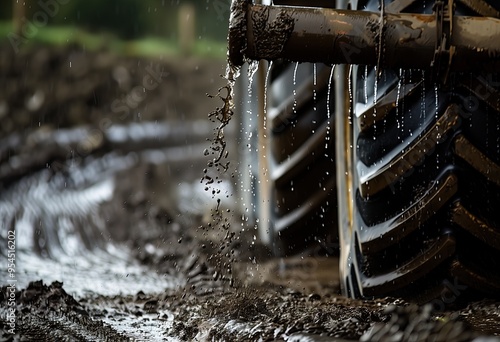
<point>306,3</point>
<point>352,37</point>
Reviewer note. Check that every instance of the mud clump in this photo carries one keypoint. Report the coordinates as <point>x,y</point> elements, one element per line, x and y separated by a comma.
<point>48,297</point>
<point>272,36</point>
<point>269,35</point>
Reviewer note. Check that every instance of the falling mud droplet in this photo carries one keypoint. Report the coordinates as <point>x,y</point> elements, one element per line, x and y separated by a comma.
<point>220,165</point>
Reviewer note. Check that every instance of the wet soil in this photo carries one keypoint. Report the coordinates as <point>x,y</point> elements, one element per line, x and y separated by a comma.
<point>119,241</point>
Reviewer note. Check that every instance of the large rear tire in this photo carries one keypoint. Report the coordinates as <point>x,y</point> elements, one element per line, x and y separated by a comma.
<point>419,180</point>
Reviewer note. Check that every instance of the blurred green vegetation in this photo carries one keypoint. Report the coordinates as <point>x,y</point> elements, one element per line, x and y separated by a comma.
<point>129,26</point>
<point>145,46</point>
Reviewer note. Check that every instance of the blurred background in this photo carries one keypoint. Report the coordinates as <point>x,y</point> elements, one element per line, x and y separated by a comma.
<point>154,26</point>
<point>104,130</point>
<point>100,66</point>
<point>106,138</point>
<point>39,37</point>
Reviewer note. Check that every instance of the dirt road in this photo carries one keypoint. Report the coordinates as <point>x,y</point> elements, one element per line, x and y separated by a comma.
<point>117,239</point>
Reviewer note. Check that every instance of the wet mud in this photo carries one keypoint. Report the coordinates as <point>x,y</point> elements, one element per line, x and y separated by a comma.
<point>122,242</point>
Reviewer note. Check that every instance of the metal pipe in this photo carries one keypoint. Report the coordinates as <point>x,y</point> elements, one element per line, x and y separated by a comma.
<point>353,37</point>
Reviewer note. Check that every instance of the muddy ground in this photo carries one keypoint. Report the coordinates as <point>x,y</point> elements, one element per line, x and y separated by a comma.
<point>101,159</point>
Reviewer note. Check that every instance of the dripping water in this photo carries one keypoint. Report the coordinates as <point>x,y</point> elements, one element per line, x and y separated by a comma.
<point>423,102</point>
<point>261,140</point>
<point>400,81</point>
<point>328,111</point>
<point>314,86</point>
<point>252,70</point>
<point>266,83</point>
<point>375,94</point>
<point>380,41</point>
<point>248,132</point>
<point>436,98</point>
<point>350,92</point>
<point>366,84</point>
<point>398,95</point>
<point>294,107</point>
<point>329,91</point>
<point>351,99</point>
<point>378,70</point>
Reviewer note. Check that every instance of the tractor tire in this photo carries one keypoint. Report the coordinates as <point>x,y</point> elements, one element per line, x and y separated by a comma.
<point>418,164</point>
<point>301,158</point>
